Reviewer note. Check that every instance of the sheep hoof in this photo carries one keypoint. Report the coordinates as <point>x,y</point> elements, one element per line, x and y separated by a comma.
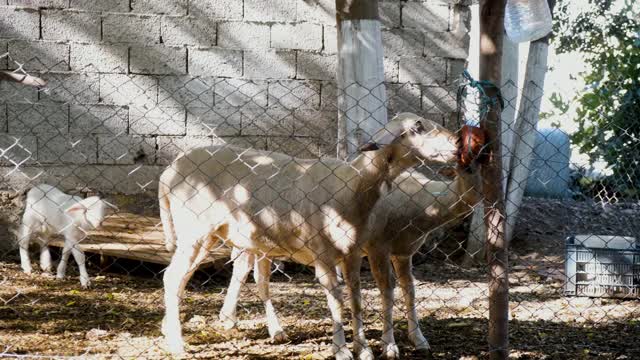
<point>27,269</point>
<point>342,353</point>
<point>366,354</point>
<point>279,337</point>
<point>86,284</point>
<point>419,341</point>
<point>228,322</point>
<point>392,352</point>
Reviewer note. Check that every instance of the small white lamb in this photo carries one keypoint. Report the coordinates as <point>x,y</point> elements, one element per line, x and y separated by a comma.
<point>50,211</point>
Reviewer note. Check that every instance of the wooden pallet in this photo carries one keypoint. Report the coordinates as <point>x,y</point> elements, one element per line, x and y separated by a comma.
<point>136,237</point>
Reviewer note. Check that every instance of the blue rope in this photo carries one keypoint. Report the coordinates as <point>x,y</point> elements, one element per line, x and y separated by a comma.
<point>486,102</point>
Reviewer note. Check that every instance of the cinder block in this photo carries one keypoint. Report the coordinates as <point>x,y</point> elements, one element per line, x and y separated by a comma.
<point>39,55</point>
<point>170,147</point>
<point>316,11</point>
<point>17,23</point>
<point>3,49</point>
<point>174,7</point>
<point>270,10</point>
<point>121,28</point>
<point>65,149</point>
<point>126,149</point>
<point>243,35</point>
<point>447,44</point>
<point>316,123</point>
<point>120,89</point>
<point>437,99</point>
<point>316,66</point>
<point>390,70</point>
<point>399,43</point>
<point>161,60</point>
<point>303,36</point>
<point>455,68</point>
<point>186,91</point>
<point>17,151</point>
<point>3,117</point>
<point>240,93</point>
<point>421,70</point>
<point>390,13</point>
<point>51,119</point>
<point>71,88</point>
<point>157,121</point>
<point>14,92</point>
<point>425,16</point>
<point>188,30</point>
<point>269,64</point>
<point>215,62</point>
<point>102,5</point>
<point>267,122</point>
<point>89,119</point>
<point>59,4</point>
<point>302,147</point>
<point>244,142</point>
<point>70,25</point>
<point>403,98</point>
<point>99,58</point>
<point>294,94</point>
<point>216,121</point>
<point>330,45</point>
<point>219,9</point>
<point>329,96</point>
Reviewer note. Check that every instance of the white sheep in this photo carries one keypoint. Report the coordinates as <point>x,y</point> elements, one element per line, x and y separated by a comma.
<point>399,225</point>
<point>274,205</point>
<point>50,211</point>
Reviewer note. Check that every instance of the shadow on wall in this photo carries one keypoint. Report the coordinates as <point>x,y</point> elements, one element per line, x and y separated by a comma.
<point>138,106</point>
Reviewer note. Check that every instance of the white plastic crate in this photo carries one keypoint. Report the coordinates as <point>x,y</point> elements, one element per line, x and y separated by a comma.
<point>602,266</point>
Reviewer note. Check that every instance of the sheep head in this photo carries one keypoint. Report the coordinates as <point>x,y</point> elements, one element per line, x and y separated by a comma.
<point>414,139</point>
<point>472,146</point>
<point>91,212</point>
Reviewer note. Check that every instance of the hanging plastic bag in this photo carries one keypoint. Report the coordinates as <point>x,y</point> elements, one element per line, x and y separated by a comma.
<point>527,20</point>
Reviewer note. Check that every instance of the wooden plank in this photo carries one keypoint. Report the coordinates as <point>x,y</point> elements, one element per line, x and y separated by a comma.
<point>135,237</point>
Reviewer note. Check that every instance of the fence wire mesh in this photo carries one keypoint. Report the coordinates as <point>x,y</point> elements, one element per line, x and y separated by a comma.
<point>246,173</point>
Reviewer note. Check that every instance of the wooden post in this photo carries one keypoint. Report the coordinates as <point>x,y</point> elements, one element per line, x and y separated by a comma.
<point>525,129</point>
<point>362,109</point>
<point>491,34</point>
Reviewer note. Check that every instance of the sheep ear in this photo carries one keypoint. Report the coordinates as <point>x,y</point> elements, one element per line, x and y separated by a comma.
<point>77,207</point>
<point>370,146</point>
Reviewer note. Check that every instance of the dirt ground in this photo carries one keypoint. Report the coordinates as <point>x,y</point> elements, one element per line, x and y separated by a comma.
<point>119,317</point>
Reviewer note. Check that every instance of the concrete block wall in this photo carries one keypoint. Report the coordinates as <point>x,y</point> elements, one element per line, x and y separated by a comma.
<point>134,82</point>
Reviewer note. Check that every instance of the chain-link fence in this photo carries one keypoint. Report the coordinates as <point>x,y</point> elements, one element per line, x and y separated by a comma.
<point>216,177</point>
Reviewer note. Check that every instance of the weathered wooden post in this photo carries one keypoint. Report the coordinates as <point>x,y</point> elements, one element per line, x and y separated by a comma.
<point>362,96</point>
<point>491,35</point>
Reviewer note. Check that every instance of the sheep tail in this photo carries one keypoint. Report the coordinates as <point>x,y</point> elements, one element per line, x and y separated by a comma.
<point>166,218</point>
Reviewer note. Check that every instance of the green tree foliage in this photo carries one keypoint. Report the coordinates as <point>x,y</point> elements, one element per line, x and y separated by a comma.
<point>607,34</point>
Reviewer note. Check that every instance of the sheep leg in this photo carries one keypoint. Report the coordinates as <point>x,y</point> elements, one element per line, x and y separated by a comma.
<point>23,243</point>
<point>78,255</point>
<point>325,273</point>
<point>381,269</point>
<point>351,270</point>
<point>262,274</point>
<point>242,265</point>
<point>45,259</point>
<point>184,263</point>
<point>403,266</point>
<point>64,258</point>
